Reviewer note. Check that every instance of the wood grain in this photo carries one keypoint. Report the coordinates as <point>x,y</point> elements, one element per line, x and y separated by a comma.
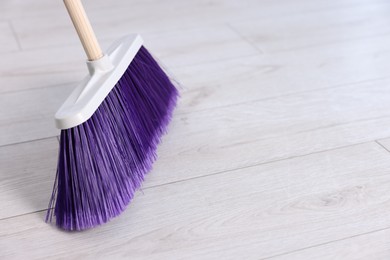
<point>333,117</point>
<point>26,116</point>
<point>36,68</point>
<point>117,18</point>
<point>317,30</point>
<point>34,165</point>
<point>266,76</point>
<point>261,211</point>
<point>279,148</point>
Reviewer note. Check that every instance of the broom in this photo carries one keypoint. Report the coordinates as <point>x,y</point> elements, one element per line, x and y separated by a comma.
<point>110,127</point>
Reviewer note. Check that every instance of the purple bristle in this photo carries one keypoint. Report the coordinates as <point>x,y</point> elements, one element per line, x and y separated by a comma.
<point>102,162</point>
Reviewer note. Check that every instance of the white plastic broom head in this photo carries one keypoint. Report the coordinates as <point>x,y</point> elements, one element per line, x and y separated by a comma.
<point>104,73</point>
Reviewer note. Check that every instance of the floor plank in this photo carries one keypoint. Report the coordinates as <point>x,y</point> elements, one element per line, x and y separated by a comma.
<point>316,30</point>
<point>64,64</point>
<point>119,17</point>
<point>29,115</point>
<point>339,193</point>
<point>11,9</point>
<point>290,114</point>
<point>196,46</point>
<point>260,77</point>
<point>34,163</point>
<point>373,245</point>
<point>229,138</point>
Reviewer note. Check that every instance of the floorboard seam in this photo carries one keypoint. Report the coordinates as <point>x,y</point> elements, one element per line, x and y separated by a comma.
<point>16,37</point>
<point>325,243</point>
<point>221,172</point>
<point>257,48</point>
<point>381,145</point>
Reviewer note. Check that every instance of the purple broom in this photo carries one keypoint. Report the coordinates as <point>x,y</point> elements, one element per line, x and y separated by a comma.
<point>110,126</point>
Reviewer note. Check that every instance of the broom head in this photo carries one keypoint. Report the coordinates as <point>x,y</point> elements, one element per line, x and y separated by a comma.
<point>110,126</point>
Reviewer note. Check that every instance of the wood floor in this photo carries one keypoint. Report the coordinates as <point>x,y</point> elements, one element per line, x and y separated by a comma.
<point>279,148</point>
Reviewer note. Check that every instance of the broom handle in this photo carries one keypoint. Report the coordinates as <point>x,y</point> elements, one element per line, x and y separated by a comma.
<point>84,29</point>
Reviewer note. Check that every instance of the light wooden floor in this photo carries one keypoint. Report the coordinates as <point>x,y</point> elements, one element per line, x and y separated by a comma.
<point>279,148</point>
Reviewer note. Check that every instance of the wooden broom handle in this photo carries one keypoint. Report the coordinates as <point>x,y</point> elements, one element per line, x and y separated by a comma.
<point>84,29</point>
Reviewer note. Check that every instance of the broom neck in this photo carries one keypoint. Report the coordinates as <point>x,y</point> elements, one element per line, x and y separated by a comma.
<point>84,29</point>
